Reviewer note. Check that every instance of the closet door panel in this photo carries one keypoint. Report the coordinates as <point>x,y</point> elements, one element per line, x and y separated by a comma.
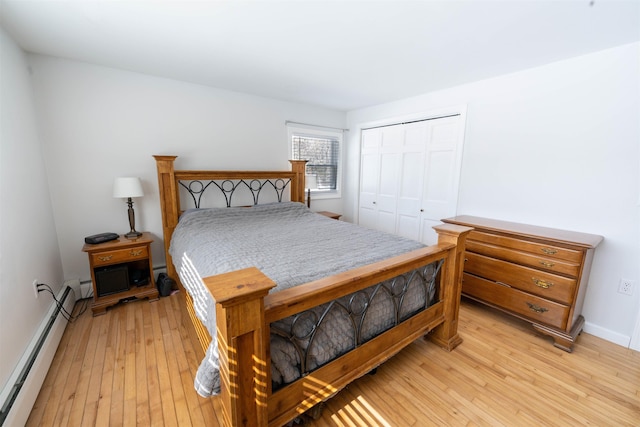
<point>387,197</point>
<point>389,174</point>
<point>442,165</point>
<point>445,132</point>
<point>411,177</point>
<point>371,139</point>
<point>428,235</point>
<point>415,136</point>
<point>410,194</point>
<point>368,218</point>
<point>438,199</point>
<point>370,173</point>
<point>392,138</point>
<point>368,211</point>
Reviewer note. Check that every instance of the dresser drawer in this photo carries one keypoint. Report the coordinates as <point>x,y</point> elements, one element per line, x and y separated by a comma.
<point>525,258</point>
<point>540,249</point>
<point>541,283</point>
<point>511,299</point>
<point>120,255</point>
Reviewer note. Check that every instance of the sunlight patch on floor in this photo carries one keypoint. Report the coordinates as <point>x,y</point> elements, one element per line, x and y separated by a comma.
<point>359,412</point>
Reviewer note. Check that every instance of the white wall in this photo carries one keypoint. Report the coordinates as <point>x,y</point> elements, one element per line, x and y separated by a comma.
<point>28,244</point>
<point>100,123</point>
<point>555,146</point>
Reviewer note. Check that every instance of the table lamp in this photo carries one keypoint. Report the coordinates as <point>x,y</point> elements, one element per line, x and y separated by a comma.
<point>311,183</point>
<point>127,188</point>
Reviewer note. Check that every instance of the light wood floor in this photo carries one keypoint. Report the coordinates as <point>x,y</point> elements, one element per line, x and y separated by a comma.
<point>135,366</point>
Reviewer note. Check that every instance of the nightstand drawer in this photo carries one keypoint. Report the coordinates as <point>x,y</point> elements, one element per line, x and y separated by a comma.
<point>516,301</point>
<point>120,255</point>
<point>546,285</point>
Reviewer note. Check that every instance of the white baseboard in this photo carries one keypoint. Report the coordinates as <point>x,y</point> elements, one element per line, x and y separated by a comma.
<point>26,397</point>
<point>607,334</point>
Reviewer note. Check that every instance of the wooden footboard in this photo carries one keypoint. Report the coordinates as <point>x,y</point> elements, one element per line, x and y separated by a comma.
<point>245,309</point>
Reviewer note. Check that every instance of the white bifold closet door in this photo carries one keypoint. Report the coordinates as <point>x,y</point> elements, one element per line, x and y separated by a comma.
<point>409,176</point>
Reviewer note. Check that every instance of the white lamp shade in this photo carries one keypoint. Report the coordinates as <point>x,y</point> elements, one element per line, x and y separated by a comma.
<point>127,187</point>
<point>310,182</point>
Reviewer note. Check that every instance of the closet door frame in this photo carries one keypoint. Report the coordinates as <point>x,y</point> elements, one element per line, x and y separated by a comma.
<point>459,110</point>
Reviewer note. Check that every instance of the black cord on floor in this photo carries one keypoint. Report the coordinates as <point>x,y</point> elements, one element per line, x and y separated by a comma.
<point>69,316</point>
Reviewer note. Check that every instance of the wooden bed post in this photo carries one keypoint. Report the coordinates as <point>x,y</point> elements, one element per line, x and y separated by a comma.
<point>297,184</point>
<point>446,334</point>
<point>244,376</point>
<point>169,205</point>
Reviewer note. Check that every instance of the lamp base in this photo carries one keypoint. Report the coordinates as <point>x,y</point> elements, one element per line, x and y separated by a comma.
<point>133,235</point>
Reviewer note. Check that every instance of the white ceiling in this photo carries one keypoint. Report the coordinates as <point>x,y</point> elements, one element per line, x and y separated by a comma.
<point>338,54</point>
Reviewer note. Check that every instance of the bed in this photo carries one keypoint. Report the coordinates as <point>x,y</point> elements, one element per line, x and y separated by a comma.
<point>294,319</point>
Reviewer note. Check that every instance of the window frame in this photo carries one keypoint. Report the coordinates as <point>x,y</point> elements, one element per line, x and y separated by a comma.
<point>319,132</point>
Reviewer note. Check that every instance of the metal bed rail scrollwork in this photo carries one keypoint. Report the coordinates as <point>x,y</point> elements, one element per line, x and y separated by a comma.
<point>302,330</point>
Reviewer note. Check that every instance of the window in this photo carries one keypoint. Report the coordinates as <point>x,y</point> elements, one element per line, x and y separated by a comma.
<point>322,150</point>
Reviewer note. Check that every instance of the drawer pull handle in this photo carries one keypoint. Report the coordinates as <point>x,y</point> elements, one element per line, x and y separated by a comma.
<point>549,251</point>
<point>542,283</point>
<point>105,257</point>
<point>136,252</point>
<point>547,264</point>
<point>536,308</point>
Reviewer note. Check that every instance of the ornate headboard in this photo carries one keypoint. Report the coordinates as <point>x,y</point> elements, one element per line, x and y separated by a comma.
<point>196,183</point>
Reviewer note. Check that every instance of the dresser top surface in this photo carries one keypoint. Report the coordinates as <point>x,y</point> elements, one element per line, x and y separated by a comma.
<point>527,230</point>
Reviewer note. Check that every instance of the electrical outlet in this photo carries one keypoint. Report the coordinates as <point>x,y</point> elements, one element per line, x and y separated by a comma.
<point>626,287</point>
<point>35,287</point>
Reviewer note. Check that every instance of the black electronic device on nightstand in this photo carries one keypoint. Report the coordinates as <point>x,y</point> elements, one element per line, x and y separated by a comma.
<point>100,238</point>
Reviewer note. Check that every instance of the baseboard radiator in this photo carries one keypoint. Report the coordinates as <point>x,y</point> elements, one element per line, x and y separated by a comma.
<point>22,390</point>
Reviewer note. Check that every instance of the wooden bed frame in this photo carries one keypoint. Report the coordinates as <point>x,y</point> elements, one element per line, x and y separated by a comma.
<point>245,309</point>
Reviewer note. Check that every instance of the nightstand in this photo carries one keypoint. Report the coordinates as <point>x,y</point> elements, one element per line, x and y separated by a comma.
<point>330,214</point>
<point>121,270</point>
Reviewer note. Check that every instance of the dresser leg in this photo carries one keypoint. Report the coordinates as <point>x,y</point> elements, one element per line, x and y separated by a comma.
<point>561,339</point>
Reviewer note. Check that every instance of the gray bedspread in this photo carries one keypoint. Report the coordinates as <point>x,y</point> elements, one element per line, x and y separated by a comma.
<point>289,243</point>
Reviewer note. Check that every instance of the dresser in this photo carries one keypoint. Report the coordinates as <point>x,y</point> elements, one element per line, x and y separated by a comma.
<point>535,273</point>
